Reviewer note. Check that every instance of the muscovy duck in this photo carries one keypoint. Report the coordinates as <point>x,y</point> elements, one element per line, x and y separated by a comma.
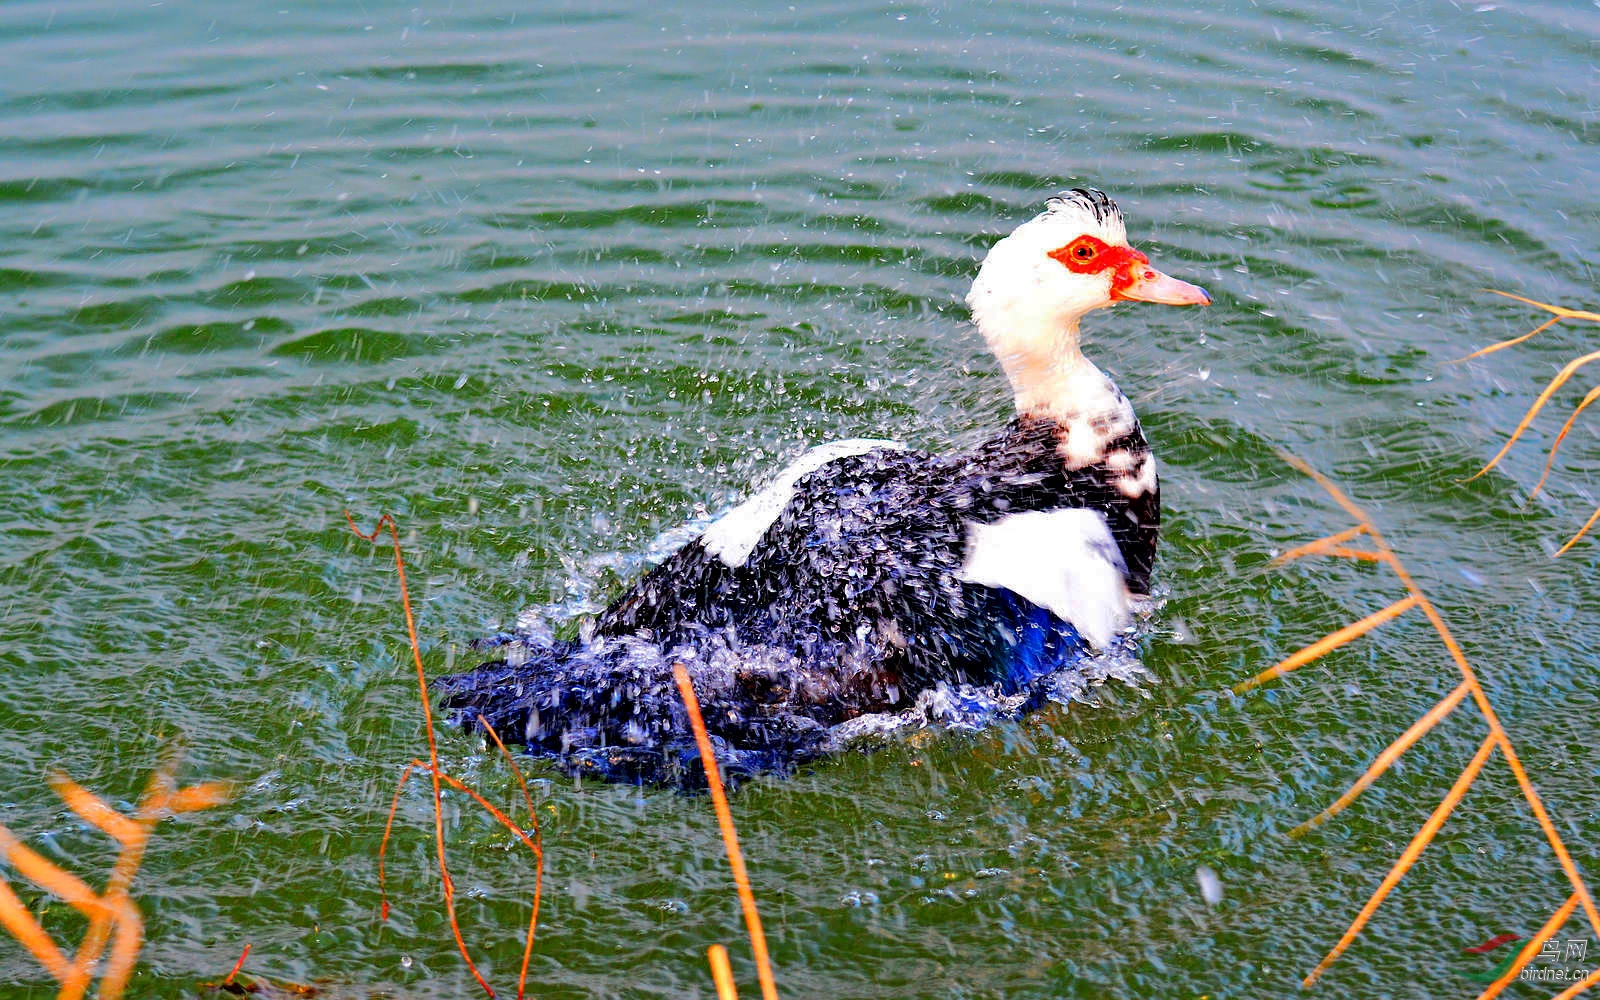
<point>866,575</point>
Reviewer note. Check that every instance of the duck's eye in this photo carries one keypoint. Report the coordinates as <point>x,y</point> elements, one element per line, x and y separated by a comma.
<point>1084,255</point>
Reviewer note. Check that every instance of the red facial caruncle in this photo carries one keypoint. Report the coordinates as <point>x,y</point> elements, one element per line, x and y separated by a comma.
<point>1091,255</point>
<point>1132,277</point>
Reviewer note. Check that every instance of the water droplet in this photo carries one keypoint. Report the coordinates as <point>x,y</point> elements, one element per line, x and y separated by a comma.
<point>1210,885</point>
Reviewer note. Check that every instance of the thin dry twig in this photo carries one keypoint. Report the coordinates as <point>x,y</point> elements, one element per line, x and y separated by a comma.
<point>536,845</point>
<point>1558,313</point>
<point>1329,643</point>
<point>1566,428</point>
<point>1432,717</point>
<point>110,945</point>
<point>1497,738</point>
<point>440,779</point>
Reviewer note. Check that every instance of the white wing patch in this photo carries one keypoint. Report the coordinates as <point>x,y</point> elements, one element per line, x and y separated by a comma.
<point>1065,561</point>
<point>734,535</point>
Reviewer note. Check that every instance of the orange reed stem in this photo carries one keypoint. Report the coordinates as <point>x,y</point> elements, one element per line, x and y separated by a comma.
<point>1329,643</point>
<point>1566,428</point>
<point>1538,404</point>
<point>1581,532</point>
<point>1322,545</point>
<point>1579,986</point>
<point>538,855</point>
<point>1390,754</point>
<point>730,836</point>
<point>1526,953</point>
<point>721,972</point>
<point>1409,856</point>
<point>22,925</point>
<point>237,965</point>
<point>388,828</point>
<point>1498,734</point>
<point>1514,341</point>
<point>388,522</point>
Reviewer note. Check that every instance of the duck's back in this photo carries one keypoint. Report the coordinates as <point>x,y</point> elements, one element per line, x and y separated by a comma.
<point>898,549</point>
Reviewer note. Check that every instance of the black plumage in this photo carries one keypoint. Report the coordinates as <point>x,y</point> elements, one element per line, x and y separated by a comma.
<point>850,603</point>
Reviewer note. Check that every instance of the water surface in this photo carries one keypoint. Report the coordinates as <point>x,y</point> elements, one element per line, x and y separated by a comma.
<point>548,282</point>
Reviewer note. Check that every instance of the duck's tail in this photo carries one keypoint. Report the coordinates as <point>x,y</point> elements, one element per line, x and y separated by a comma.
<point>610,708</point>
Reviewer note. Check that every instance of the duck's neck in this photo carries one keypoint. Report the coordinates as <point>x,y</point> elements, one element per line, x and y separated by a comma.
<point>1051,379</point>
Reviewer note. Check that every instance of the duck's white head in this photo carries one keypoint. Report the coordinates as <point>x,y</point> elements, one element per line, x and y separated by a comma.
<point>1037,283</point>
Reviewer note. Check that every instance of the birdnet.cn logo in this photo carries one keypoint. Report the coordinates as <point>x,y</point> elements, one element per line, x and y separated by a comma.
<point>1558,960</point>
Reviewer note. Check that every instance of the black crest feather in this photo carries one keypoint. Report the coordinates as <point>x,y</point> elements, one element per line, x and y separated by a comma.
<point>1091,200</point>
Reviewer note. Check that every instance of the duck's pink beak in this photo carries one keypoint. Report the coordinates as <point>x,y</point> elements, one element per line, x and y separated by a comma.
<point>1139,282</point>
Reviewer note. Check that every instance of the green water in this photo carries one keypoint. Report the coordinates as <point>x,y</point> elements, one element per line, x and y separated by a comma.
<point>544,281</point>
